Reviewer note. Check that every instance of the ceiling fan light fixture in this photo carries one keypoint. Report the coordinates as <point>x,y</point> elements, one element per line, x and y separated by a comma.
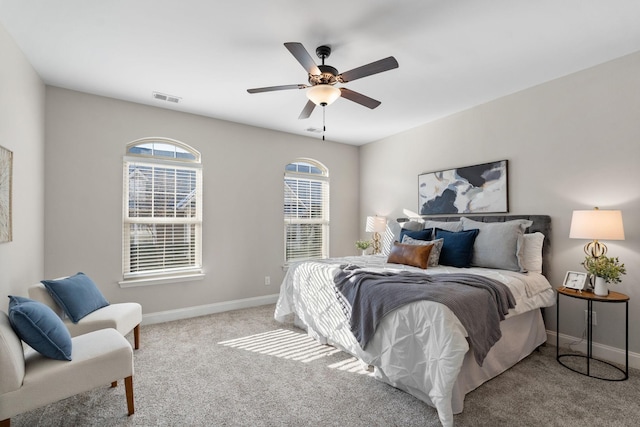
<point>323,94</point>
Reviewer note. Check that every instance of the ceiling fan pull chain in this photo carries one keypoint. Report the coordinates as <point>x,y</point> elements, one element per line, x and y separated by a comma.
<point>324,128</point>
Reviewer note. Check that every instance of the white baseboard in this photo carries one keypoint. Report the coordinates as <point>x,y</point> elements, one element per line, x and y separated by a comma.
<point>203,310</point>
<point>600,351</point>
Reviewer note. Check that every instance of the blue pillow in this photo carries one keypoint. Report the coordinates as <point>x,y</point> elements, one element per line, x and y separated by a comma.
<point>418,235</point>
<point>457,248</point>
<point>41,328</point>
<point>77,295</point>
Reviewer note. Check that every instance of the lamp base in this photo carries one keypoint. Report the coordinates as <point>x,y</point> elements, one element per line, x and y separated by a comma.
<point>595,249</point>
<point>376,243</point>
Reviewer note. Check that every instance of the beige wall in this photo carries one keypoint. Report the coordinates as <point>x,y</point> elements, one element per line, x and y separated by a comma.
<point>22,131</point>
<point>573,143</point>
<point>243,171</point>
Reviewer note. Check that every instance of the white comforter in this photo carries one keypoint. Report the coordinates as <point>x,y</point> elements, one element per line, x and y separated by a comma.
<point>418,348</point>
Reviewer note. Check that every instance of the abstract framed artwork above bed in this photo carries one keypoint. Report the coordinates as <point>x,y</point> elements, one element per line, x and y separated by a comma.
<point>471,189</point>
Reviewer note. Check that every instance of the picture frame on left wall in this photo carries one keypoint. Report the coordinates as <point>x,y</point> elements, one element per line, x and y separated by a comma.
<point>6,175</point>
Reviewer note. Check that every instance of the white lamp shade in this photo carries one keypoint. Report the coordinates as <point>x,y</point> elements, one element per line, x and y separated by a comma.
<point>597,224</point>
<point>376,224</point>
<point>323,94</point>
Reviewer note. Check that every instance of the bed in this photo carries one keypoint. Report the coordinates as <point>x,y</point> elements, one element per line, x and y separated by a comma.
<point>422,347</point>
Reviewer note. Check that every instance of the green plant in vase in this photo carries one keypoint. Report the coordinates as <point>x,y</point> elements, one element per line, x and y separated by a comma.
<point>605,270</point>
<point>609,268</point>
<point>363,245</point>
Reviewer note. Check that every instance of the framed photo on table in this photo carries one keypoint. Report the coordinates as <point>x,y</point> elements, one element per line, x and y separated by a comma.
<point>576,280</point>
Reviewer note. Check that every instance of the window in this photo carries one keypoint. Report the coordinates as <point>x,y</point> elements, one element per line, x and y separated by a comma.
<point>306,211</point>
<point>162,221</point>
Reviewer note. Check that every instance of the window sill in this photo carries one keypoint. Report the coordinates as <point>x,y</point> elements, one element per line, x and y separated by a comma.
<point>162,280</point>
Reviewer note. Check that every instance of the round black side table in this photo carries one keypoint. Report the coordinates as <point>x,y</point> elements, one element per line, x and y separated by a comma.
<point>590,297</point>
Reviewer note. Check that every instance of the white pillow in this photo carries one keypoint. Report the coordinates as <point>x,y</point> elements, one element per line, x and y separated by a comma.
<point>390,235</point>
<point>532,252</point>
<point>434,255</point>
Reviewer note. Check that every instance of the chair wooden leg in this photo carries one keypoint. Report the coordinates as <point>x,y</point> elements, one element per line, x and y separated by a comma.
<point>5,423</point>
<point>114,384</point>
<point>136,336</point>
<point>128,385</point>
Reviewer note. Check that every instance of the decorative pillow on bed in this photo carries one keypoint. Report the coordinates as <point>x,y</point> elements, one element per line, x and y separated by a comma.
<point>390,235</point>
<point>444,225</point>
<point>412,225</point>
<point>434,256</point>
<point>414,255</point>
<point>457,248</point>
<point>532,252</point>
<point>77,295</point>
<point>417,235</point>
<point>499,244</point>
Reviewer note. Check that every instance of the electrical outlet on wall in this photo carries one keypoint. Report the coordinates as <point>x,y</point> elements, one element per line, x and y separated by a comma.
<point>267,280</point>
<point>594,319</point>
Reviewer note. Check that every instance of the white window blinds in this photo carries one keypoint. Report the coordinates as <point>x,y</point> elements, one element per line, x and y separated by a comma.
<point>162,215</point>
<point>306,211</point>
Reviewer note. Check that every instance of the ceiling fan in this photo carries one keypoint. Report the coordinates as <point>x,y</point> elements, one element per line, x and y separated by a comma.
<point>322,79</point>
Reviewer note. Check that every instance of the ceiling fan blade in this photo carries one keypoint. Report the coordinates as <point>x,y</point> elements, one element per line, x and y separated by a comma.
<point>359,98</point>
<point>303,57</point>
<point>272,88</point>
<point>376,67</point>
<point>307,110</point>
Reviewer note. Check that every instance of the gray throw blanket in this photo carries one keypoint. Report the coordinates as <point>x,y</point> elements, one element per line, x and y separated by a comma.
<point>479,302</point>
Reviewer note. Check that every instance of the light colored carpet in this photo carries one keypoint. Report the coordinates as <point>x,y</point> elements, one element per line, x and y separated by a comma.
<point>242,368</point>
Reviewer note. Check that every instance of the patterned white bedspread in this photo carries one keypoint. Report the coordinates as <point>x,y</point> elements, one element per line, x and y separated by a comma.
<point>418,348</point>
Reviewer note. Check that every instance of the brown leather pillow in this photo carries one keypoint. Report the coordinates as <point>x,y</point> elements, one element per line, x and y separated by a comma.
<point>414,255</point>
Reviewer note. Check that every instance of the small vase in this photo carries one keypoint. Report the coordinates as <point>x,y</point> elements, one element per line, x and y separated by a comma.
<point>601,289</point>
<point>364,252</point>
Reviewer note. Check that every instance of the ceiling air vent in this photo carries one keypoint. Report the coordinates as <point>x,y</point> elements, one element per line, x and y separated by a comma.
<point>165,97</point>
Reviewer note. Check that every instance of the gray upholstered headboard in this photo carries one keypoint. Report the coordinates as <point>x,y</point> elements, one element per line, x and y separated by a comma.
<point>541,223</point>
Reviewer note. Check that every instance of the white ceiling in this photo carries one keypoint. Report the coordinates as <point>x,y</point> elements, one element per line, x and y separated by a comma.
<point>452,54</point>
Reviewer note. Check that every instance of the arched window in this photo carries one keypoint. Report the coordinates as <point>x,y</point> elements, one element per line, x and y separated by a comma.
<point>162,220</point>
<point>306,210</point>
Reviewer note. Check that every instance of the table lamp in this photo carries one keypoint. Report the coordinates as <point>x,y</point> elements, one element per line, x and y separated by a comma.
<point>376,225</point>
<point>596,224</point>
